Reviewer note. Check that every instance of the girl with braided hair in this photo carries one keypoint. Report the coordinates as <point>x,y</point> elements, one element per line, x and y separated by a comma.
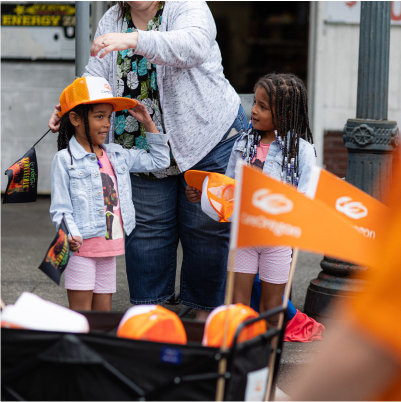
<point>273,142</point>
<point>91,186</point>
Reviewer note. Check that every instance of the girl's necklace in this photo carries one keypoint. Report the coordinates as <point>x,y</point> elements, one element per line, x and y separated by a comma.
<point>288,174</point>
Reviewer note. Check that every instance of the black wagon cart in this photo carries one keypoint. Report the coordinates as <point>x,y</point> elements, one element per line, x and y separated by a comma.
<point>41,365</point>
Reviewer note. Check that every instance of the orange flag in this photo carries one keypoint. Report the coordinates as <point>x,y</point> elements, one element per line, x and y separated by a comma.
<point>270,213</point>
<point>363,212</point>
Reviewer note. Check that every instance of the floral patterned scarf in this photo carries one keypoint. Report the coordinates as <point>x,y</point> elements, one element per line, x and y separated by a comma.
<point>137,79</point>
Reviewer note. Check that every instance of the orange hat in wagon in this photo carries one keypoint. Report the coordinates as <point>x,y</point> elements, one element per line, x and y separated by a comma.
<point>152,323</point>
<point>217,199</point>
<point>88,90</point>
<point>237,313</point>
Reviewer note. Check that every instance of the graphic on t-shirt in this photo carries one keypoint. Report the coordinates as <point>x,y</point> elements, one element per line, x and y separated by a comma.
<point>113,223</point>
<point>258,163</point>
<point>260,157</point>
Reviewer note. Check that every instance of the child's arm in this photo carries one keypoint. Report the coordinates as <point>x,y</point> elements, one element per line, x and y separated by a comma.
<point>305,168</point>
<point>193,194</point>
<point>75,242</point>
<point>139,160</point>
<point>61,197</point>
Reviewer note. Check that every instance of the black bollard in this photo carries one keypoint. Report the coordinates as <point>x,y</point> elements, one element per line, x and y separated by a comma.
<point>370,139</point>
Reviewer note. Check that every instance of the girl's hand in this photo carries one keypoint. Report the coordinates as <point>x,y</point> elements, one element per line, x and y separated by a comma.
<point>54,122</point>
<point>142,115</point>
<point>193,194</point>
<point>75,242</point>
<point>114,41</point>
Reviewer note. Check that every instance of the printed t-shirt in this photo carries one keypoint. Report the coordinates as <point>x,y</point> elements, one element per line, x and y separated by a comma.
<point>113,243</point>
<point>261,155</point>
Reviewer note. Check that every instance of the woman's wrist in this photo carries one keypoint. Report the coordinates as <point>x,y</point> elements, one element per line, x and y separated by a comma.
<point>150,127</point>
<point>133,42</point>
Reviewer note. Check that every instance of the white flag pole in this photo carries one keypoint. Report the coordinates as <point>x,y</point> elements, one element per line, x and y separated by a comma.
<point>287,291</point>
<point>230,278</point>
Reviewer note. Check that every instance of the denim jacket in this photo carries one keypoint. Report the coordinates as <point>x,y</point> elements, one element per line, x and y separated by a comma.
<point>274,161</point>
<point>77,189</point>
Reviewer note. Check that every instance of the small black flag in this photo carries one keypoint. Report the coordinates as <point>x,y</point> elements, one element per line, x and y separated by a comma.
<point>57,255</point>
<point>22,180</point>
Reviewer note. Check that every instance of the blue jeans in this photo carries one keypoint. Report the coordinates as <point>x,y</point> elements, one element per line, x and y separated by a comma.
<point>163,217</point>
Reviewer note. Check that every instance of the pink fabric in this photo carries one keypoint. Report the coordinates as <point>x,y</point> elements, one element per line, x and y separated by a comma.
<point>272,263</point>
<point>113,243</point>
<point>261,155</point>
<point>302,328</point>
<point>91,273</point>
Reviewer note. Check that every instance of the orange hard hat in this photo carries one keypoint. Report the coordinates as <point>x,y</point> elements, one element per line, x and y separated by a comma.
<point>152,323</point>
<point>237,313</point>
<point>90,90</point>
<point>217,193</point>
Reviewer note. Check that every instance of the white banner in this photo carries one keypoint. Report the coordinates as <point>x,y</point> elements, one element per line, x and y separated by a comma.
<point>349,12</point>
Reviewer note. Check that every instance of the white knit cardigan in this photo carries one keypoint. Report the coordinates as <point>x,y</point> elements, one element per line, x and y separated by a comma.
<point>199,104</point>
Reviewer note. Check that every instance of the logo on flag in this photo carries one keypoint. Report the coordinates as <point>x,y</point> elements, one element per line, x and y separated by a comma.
<point>273,204</point>
<point>370,213</point>
<point>22,180</point>
<point>57,255</point>
<point>308,224</point>
<point>352,209</point>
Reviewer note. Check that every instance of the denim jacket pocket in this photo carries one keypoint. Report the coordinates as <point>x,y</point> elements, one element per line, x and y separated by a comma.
<point>80,185</point>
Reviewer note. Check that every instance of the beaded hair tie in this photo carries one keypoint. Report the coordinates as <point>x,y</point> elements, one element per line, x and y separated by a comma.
<point>288,174</point>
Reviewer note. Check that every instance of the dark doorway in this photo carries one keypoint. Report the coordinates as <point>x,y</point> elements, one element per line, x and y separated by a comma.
<point>256,38</point>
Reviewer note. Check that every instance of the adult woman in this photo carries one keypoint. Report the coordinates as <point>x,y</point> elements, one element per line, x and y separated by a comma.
<point>165,54</point>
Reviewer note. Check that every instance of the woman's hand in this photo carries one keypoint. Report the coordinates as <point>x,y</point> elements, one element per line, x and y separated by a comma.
<point>54,122</point>
<point>114,41</point>
<point>193,194</point>
<point>140,112</point>
<point>75,242</point>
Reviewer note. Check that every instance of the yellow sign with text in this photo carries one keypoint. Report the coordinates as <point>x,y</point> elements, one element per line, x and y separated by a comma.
<point>37,15</point>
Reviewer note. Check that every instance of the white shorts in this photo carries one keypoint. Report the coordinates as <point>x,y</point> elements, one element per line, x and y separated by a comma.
<point>272,263</point>
<point>91,273</point>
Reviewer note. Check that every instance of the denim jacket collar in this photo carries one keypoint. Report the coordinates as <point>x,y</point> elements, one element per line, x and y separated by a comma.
<point>77,150</point>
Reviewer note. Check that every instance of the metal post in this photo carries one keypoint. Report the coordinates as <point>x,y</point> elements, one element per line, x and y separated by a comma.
<point>370,139</point>
<point>82,36</point>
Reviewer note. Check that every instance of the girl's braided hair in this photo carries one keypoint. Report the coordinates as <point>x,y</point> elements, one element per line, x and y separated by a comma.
<point>288,101</point>
<point>67,130</point>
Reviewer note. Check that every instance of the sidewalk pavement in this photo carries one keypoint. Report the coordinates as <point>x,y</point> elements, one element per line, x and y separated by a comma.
<point>27,231</point>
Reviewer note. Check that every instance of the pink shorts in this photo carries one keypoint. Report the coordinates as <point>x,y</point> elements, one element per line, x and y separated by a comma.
<point>91,273</point>
<point>272,263</point>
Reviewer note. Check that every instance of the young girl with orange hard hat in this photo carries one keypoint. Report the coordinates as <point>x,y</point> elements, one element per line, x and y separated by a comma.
<point>91,186</point>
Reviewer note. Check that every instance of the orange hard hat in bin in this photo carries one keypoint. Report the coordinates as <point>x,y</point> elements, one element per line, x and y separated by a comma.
<point>152,323</point>
<point>237,313</point>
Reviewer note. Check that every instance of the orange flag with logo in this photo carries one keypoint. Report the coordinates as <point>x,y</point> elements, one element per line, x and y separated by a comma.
<point>270,213</point>
<point>363,211</point>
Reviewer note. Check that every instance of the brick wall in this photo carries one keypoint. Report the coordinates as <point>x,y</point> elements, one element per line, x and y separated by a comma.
<point>334,153</point>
